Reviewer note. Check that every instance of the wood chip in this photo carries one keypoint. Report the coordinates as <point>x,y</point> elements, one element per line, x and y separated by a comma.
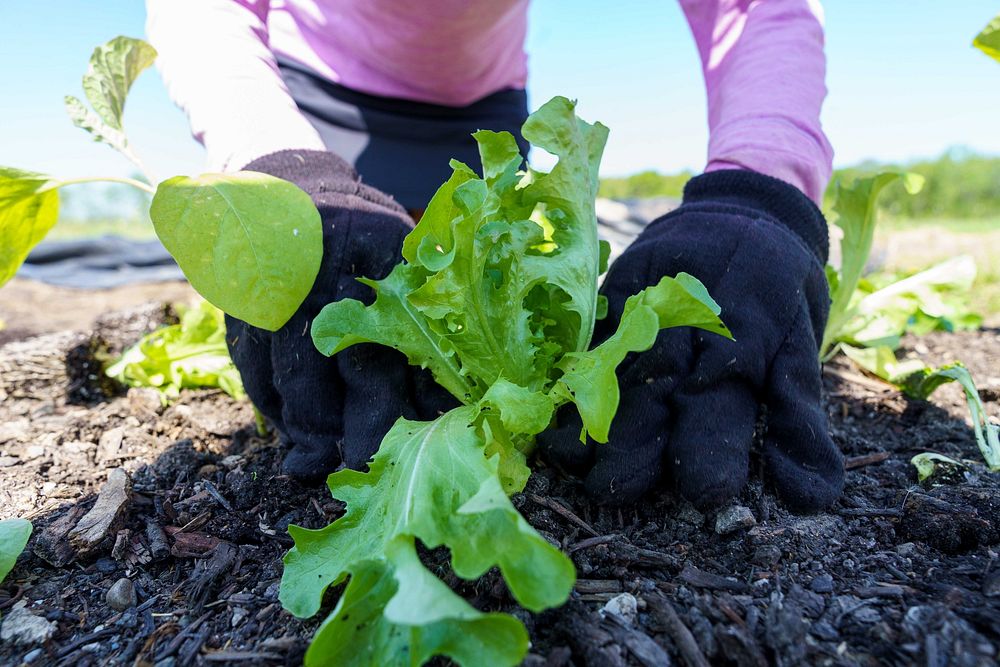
<point>100,521</point>
<point>701,579</point>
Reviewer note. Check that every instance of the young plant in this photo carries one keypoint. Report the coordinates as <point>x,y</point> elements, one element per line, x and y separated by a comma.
<point>250,243</point>
<point>501,309</point>
<point>867,324</point>
<point>189,354</point>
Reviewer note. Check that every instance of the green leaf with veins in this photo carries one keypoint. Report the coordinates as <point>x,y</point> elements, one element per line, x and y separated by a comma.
<point>589,378</point>
<point>113,69</point>
<point>222,231</point>
<point>988,40</point>
<point>14,534</point>
<point>854,210</point>
<point>378,637</point>
<point>29,207</point>
<point>429,481</point>
<point>497,297</point>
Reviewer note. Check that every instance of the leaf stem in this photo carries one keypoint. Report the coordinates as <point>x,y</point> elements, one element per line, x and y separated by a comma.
<point>145,187</point>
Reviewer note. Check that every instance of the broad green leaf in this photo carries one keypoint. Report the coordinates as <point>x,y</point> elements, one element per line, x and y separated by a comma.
<point>14,534</point>
<point>188,355</point>
<point>926,464</point>
<point>430,481</point>
<point>988,40</point>
<point>87,120</point>
<point>29,207</point>
<point>458,631</point>
<point>881,361</point>
<point>250,243</point>
<point>590,380</point>
<point>854,210</point>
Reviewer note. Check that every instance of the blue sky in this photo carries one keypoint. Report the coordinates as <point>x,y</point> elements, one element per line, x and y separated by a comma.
<point>903,82</point>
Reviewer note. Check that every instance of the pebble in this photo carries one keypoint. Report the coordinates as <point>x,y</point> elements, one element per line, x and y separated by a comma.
<point>121,595</point>
<point>239,613</point>
<point>822,584</point>
<point>734,518</point>
<point>31,656</point>
<point>766,555</point>
<point>907,549</point>
<point>20,626</point>
<point>625,605</point>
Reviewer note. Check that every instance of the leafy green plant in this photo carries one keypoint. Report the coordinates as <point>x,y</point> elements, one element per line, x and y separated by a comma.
<point>14,534</point>
<point>501,309</point>
<point>189,354</point>
<point>867,320</point>
<point>263,230</point>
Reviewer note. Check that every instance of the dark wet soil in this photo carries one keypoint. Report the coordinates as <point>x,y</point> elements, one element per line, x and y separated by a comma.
<point>897,573</point>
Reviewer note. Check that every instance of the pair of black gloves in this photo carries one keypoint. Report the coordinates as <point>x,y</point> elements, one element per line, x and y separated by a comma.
<point>689,406</point>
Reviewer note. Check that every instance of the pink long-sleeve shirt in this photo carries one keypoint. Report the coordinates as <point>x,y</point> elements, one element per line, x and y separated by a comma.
<point>762,60</point>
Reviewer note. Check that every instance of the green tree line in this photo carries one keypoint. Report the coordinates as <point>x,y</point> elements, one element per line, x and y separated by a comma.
<point>959,184</point>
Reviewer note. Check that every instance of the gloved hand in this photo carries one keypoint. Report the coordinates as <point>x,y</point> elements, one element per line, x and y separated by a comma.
<point>689,404</point>
<point>332,410</point>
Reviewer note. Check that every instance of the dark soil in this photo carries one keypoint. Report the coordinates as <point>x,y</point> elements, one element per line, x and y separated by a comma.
<point>896,573</point>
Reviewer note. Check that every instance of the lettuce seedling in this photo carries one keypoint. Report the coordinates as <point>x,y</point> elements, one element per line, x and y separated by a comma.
<point>266,232</point>
<point>497,297</point>
<point>189,354</point>
<point>867,324</point>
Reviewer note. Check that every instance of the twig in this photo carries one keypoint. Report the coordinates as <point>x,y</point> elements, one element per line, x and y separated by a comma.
<point>679,632</point>
<point>873,511</point>
<point>866,460</point>
<point>591,542</point>
<point>563,512</point>
<point>214,492</point>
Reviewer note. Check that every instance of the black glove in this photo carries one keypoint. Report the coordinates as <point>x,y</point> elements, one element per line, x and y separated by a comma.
<point>332,410</point>
<point>689,405</point>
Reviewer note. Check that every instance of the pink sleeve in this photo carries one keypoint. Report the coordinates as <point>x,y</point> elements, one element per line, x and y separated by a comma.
<point>216,63</point>
<point>765,75</point>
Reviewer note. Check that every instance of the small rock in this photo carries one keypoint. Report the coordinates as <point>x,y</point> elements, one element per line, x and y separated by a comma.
<point>734,518</point>
<point>689,514</point>
<point>766,555</point>
<point>32,656</point>
<point>8,461</point>
<point>907,549</point>
<point>239,613</point>
<point>231,461</point>
<point>20,626</point>
<point>625,605</point>
<point>822,584</point>
<point>207,470</point>
<point>121,595</point>
<point>106,565</point>
<point>166,662</point>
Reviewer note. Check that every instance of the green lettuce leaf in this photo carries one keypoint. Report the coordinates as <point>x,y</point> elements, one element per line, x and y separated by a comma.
<point>429,481</point>
<point>223,231</point>
<point>589,377</point>
<point>189,355</point>
<point>29,207</point>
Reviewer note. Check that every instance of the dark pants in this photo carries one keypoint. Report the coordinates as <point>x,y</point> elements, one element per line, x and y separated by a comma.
<point>399,146</point>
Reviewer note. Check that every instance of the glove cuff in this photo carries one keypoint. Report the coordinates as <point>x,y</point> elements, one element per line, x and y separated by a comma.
<point>780,200</point>
<point>313,171</point>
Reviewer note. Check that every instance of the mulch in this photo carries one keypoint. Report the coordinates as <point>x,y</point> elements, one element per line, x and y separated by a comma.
<point>896,574</point>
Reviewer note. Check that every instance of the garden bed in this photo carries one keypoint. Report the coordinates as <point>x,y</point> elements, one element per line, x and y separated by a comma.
<point>894,574</point>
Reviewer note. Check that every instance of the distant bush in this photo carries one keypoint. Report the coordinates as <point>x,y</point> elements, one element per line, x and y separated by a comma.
<point>644,184</point>
<point>960,184</point>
